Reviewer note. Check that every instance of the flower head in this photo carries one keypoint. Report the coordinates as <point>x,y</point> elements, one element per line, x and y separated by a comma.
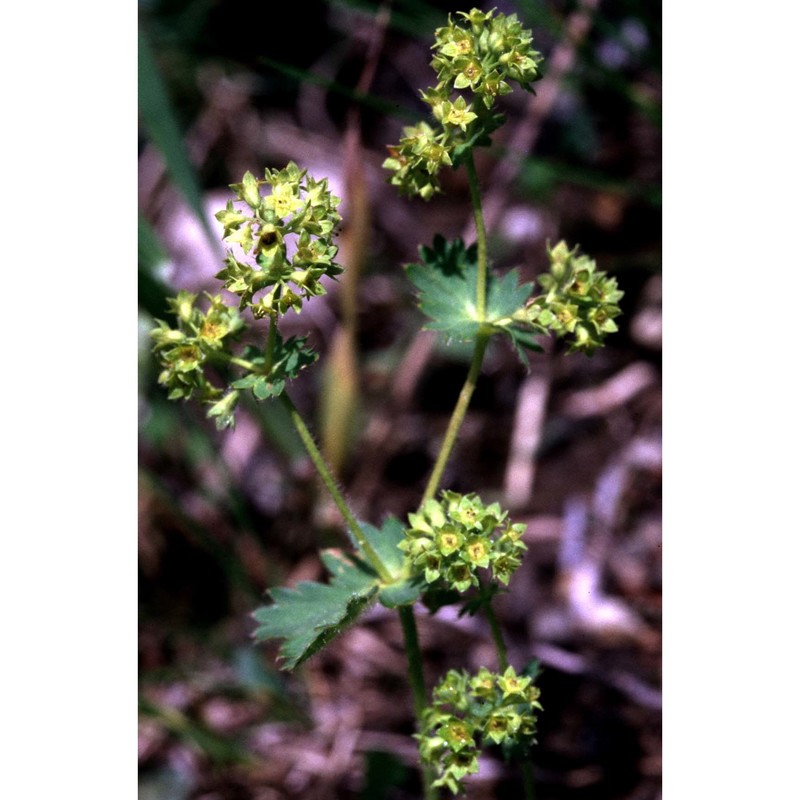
<point>475,58</point>
<point>471,711</point>
<point>450,539</point>
<point>296,208</point>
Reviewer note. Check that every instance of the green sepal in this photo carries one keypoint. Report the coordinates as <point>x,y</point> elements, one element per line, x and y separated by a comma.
<point>288,359</point>
<point>308,616</point>
<point>223,411</point>
<point>479,136</point>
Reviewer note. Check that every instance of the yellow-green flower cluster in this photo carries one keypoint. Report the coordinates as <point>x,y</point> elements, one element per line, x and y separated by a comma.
<point>485,54</point>
<point>448,540</point>
<point>297,210</point>
<point>184,351</point>
<point>478,57</point>
<point>580,300</point>
<point>468,711</point>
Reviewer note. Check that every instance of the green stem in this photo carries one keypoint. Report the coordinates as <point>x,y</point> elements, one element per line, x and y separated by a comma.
<point>481,340</point>
<point>459,412</point>
<point>480,231</point>
<point>417,680</point>
<point>527,780</point>
<point>497,635</point>
<point>243,363</point>
<point>502,659</point>
<point>270,346</point>
<point>333,489</point>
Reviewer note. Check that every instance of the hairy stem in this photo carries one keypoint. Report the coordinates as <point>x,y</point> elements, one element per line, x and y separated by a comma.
<point>333,489</point>
<point>480,232</point>
<point>459,412</point>
<point>417,680</point>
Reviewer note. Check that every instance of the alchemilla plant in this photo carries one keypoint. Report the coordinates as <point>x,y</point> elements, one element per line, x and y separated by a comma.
<point>453,548</point>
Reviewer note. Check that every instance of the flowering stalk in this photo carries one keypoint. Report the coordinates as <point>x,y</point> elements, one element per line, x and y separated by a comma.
<point>454,544</point>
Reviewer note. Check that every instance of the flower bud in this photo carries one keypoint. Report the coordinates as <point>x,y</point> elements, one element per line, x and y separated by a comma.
<point>250,193</point>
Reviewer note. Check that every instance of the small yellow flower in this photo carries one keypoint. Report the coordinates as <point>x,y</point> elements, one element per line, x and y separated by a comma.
<point>448,541</point>
<point>283,200</point>
<point>460,114</point>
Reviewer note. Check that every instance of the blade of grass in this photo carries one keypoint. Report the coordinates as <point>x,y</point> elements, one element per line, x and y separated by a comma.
<point>153,292</point>
<point>220,749</point>
<point>307,76</point>
<point>411,17</point>
<point>541,175</point>
<point>161,126</point>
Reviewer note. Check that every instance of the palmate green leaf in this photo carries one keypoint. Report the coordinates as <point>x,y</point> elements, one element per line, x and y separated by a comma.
<point>401,593</point>
<point>308,616</point>
<point>384,540</point>
<point>524,338</point>
<point>402,590</point>
<point>311,614</point>
<point>447,282</point>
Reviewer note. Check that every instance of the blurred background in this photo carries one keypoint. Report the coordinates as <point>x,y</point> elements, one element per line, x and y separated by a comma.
<point>571,446</point>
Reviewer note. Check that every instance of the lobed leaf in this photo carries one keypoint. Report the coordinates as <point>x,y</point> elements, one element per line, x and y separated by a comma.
<point>384,541</point>
<point>403,590</point>
<point>311,614</point>
<point>308,616</point>
<point>401,593</point>
<point>447,282</point>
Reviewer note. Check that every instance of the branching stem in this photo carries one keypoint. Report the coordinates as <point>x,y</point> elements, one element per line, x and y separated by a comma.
<point>249,366</point>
